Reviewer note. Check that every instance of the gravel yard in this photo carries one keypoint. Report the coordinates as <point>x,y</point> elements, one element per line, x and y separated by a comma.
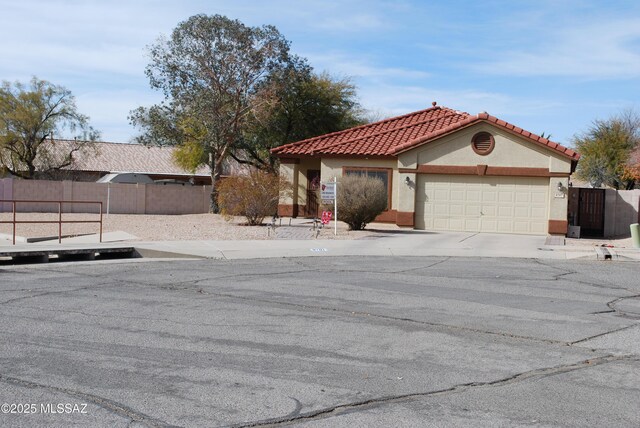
<point>170,227</point>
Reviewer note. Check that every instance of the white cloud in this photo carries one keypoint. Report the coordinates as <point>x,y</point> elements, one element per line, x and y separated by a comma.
<point>360,67</point>
<point>606,49</point>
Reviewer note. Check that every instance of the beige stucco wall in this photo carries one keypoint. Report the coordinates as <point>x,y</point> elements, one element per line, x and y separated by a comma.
<point>289,171</point>
<point>332,167</point>
<point>509,151</point>
<point>296,174</point>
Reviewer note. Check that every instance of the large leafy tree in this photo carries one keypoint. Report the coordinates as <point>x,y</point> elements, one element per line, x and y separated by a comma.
<point>29,118</point>
<point>302,104</point>
<point>212,72</point>
<point>606,151</point>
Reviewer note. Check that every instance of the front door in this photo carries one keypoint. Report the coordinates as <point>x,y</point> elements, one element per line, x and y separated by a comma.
<point>313,186</point>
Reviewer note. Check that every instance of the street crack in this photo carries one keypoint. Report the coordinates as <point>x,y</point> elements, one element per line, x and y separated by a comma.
<point>460,388</point>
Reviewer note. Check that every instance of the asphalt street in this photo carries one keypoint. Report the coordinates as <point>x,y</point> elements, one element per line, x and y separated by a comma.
<point>327,341</point>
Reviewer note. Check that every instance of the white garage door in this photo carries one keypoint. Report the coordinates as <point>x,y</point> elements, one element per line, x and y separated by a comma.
<point>482,204</point>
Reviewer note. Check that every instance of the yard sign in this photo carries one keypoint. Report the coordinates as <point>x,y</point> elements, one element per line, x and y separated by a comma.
<point>328,192</point>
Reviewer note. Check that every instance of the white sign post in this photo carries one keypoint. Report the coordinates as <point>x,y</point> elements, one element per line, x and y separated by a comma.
<point>328,191</point>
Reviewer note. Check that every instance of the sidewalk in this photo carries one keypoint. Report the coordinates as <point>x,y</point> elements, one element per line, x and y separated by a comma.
<point>298,239</point>
<point>405,244</point>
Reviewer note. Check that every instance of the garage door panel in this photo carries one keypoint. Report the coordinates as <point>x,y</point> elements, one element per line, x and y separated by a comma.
<point>538,197</point>
<point>506,196</point>
<point>470,224</point>
<point>506,211</point>
<point>457,209</point>
<point>489,210</point>
<point>538,212</point>
<point>482,204</point>
<point>472,210</point>
<point>489,225</point>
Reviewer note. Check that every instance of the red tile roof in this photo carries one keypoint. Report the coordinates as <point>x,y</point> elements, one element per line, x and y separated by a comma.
<point>395,135</point>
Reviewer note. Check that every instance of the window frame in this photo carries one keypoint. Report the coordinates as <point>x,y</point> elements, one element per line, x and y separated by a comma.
<point>389,172</point>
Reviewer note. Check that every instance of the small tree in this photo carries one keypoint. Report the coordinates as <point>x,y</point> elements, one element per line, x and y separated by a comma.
<point>606,150</point>
<point>29,117</point>
<point>254,196</point>
<point>360,200</point>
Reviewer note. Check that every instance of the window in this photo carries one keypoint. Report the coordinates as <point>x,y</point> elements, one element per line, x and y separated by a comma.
<point>482,143</point>
<point>383,174</point>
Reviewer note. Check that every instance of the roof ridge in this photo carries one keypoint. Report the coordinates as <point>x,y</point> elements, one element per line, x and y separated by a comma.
<point>99,142</point>
<point>366,125</point>
<point>452,113</point>
<point>491,119</point>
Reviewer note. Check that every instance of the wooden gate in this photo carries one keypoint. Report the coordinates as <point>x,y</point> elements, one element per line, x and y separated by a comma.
<point>591,212</point>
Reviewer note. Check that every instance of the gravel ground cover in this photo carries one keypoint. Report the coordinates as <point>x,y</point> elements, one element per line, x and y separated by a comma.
<point>170,227</point>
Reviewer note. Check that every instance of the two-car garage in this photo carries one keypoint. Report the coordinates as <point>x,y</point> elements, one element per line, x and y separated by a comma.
<point>482,203</point>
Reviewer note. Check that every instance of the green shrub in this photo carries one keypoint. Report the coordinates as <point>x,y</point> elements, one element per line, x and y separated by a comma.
<point>360,200</point>
<point>254,196</point>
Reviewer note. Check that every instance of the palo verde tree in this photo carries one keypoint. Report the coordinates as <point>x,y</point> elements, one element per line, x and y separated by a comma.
<point>211,72</point>
<point>29,117</point>
<point>606,151</point>
<point>301,105</point>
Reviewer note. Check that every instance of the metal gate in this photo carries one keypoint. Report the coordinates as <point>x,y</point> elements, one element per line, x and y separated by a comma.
<point>591,212</point>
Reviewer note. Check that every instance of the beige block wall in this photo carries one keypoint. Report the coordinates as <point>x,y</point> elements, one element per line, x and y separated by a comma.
<point>331,168</point>
<point>621,210</point>
<point>117,198</point>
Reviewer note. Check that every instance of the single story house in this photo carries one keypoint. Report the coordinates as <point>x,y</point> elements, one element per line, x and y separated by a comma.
<point>102,158</point>
<point>98,159</point>
<point>445,170</point>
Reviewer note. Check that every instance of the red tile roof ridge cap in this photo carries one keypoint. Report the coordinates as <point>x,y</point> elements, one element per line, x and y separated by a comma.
<point>340,143</point>
<point>331,134</point>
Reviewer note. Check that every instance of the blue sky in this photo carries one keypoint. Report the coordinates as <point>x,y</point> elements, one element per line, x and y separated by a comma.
<point>546,66</point>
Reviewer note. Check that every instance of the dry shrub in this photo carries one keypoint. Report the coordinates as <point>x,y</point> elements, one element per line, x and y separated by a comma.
<point>360,200</point>
<point>254,196</point>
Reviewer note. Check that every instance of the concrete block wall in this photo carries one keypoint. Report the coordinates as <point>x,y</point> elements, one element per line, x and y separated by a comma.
<point>116,198</point>
<point>622,208</point>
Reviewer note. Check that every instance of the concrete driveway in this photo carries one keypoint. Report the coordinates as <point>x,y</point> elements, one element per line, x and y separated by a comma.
<point>327,341</point>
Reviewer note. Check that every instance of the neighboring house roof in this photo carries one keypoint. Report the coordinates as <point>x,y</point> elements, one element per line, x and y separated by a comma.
<point>390,137</point>
<point>126,157</point>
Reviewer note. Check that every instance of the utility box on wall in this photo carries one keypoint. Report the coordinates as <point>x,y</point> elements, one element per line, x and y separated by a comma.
<point>574,232</point>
